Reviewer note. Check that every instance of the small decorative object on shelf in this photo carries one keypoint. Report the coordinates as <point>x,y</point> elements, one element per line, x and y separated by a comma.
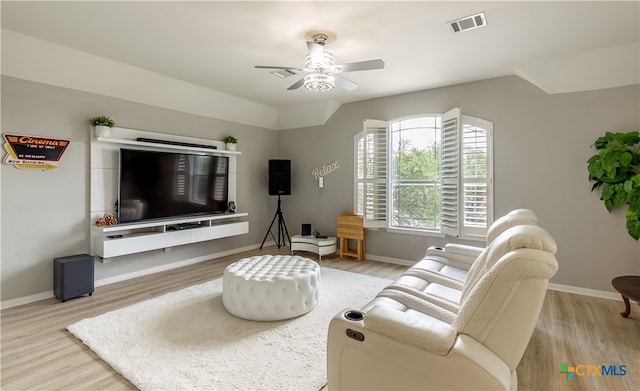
<point>317,234</point>
<point>103,125</point>
<point>108,219</point>
<point>231,207</point>
<point>230,142</point>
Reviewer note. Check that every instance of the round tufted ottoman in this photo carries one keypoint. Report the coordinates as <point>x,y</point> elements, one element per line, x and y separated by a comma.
<point>271,287</point>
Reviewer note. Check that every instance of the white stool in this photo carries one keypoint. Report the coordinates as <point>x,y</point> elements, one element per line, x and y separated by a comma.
<point>271,287</point>
<point>320,246</point>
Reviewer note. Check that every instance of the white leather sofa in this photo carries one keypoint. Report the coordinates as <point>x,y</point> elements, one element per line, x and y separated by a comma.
<point>449,322</point>
<point>448,266</point>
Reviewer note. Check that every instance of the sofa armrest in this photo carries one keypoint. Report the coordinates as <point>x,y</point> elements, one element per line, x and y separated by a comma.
<point>412,328</point>
<point>472,351</point>
<point>463,249</point>
<point>460,254</point>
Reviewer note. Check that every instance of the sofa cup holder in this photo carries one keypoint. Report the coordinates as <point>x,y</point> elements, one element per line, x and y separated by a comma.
<point>354,315</point>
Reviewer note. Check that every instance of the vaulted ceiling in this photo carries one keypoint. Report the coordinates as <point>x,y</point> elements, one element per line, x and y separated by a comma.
<point>558,46</point>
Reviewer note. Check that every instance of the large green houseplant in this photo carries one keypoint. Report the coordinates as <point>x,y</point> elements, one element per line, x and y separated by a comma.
<point>616,169</point>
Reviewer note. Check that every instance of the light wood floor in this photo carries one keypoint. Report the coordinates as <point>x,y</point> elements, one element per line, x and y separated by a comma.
<point>39,354</point>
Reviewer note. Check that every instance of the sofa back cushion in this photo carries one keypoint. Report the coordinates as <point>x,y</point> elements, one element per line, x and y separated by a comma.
<point>512,238</point>
<point>513,218</point>
<point>501,301</point>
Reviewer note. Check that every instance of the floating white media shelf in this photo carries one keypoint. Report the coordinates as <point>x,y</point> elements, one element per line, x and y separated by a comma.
<point>123,239</point>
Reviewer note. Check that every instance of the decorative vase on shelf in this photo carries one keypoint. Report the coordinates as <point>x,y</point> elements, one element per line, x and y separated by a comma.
<point>231,146</point>
<point>103,131</point>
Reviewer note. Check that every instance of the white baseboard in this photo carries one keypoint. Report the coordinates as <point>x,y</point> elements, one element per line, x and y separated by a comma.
<point>585,291</point>
<point>396,261</point>
<point>26,300</point>
<point>127,276</point>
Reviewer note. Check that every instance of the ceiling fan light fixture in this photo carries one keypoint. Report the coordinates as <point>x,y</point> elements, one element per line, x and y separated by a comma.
<point>328,61</point>
<point>319,81</point>
<point>320,66</point>
<point>320,77</point>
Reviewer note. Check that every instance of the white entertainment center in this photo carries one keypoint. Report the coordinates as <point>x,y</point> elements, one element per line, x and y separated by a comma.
<point>129,238</point>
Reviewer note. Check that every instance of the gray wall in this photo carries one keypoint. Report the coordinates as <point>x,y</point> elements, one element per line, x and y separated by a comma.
<point>541,145</point>
<point>46,214</point>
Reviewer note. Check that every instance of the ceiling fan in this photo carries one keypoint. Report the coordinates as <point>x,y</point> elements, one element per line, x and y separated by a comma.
<point>320,65</point>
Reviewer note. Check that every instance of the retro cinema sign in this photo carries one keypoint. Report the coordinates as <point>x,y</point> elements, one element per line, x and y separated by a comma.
<point>32,152</point>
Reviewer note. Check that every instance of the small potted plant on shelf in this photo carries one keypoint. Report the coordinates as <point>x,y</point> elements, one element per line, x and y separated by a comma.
<point>103,125</point>
<point>230,143</point>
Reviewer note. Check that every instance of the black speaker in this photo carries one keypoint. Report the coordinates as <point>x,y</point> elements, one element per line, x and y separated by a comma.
<point>279,177</point>
<point>73,276</point>
<point>306,229</point>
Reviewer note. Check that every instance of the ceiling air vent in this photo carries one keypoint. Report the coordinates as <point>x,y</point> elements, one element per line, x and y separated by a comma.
<point>468,23</point>
<point>282,73</point>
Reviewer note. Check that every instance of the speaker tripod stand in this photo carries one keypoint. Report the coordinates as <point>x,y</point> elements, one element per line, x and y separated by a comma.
<point>282,229</point>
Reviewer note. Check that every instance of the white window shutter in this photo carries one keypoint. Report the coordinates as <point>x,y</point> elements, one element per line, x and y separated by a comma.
<point>451,172</point>
<point>358,174</point>
<point>476,176</point>
<point>371,173</point>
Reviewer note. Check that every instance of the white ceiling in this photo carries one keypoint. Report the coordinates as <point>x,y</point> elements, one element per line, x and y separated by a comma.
<point>559,46</point>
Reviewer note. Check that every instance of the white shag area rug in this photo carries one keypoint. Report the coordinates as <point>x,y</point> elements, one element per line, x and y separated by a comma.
<point>186,340</point>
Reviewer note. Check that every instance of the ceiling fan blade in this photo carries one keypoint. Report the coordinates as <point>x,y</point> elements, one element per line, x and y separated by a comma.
<point>296,85</point>
<point>275,67</point>
<point>345,83</point>
<point>362,66</point>
<point>316,52</point>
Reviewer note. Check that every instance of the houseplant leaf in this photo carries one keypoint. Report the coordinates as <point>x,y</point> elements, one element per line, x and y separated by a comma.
<point>615,169</point>
<point>633,224</point>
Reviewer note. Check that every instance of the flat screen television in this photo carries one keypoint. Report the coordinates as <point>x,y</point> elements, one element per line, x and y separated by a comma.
<point>162,185</point>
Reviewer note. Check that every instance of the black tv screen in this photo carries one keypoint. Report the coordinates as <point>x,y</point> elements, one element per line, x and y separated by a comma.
<point>160,185</point>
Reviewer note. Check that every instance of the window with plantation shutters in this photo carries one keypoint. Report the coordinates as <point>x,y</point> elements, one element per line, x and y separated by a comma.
<point>426,173</point>
<point>370,195</point>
